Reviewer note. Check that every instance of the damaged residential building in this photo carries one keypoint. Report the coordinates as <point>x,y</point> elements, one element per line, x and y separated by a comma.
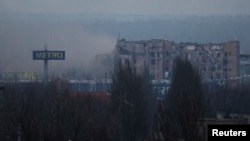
<point>244,64</point>
<point>214,61</point>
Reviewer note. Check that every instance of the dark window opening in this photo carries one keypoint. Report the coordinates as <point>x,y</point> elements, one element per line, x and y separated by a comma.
<point>212,69</point>
<point>167,53</point>
<point>225,62</point>
<point>225,77</point>
<point>152,62</point>
<point>127,62</point>
<point>218,76</point>
<point>152,54</point>
<point>225,54</point>
<point>211,77</point>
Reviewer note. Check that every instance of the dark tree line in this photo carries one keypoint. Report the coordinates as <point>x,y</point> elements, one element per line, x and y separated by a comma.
<point>180,115</point>
<point>232,102</point>
<point>48,112</point>
<point>132,103</point>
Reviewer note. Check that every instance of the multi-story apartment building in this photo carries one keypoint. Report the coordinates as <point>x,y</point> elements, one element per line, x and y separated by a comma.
<point>244,65</point>
<point>214,61</point>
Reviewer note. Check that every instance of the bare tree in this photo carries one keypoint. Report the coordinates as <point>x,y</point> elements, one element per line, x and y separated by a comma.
<point>50,112</point>
<point>233,102</point>
<point>182,113</point>
<point>132,103</point>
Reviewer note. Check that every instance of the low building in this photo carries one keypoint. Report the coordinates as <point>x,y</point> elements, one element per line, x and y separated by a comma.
<point>159,87</point>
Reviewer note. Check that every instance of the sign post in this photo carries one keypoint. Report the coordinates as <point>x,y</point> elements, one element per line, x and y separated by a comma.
<point>46,55</point>
<point>46,70</point>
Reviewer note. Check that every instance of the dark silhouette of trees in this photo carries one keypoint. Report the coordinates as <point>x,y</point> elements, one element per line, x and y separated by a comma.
<point>132,103</point>
<point>36,111</point>
<point>180,116</point>
<point>232,102</point>
<point>50,112</point>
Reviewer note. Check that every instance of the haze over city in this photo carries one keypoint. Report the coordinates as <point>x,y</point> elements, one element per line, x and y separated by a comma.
<point>124,70</point>
<point>86,28</point>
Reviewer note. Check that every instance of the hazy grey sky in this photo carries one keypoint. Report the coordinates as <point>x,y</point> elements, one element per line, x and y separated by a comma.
<point>19,38</point>
<point>177,7</point>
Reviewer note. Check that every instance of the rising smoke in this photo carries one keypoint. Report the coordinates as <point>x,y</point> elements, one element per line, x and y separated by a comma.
<point>20,36</point>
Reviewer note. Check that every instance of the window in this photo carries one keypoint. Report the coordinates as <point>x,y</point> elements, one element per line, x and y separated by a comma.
<point>127,62</point>
<point>158,54</point>
<point>224,62</point>
<point>167,68</point>
<point>152,62</point>
<point>212,68</point>
<point>225,77</point>
<point>167,53</point>
<point>218,55</point>
<point>211,77</point>
<point>218,76</point>
<point>225,53</point>
<point>152,54</point>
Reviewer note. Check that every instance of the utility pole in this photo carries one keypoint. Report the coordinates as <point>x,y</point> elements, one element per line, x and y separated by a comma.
<point>2,87</point>
<point>46,69</point>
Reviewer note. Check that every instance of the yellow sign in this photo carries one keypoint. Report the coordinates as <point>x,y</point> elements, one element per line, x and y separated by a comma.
<point>20,76</point>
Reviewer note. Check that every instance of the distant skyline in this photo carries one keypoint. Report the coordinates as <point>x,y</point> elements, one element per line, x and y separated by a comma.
<point>138,7</point>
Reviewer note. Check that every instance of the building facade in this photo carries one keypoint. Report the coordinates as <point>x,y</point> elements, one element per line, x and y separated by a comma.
<point>244,64</point>
<point>214,61</point>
